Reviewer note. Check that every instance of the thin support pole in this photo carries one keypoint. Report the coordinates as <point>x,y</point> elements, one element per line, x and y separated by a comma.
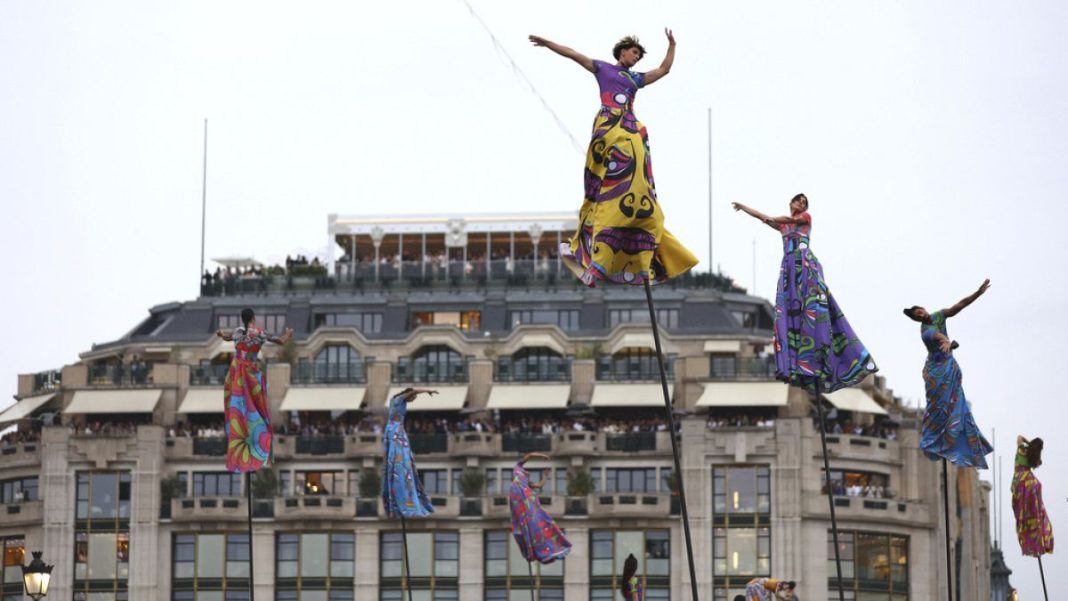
<point>407,566</point>
<point>530,570</point>
<point>203,200</point>
<point>251,564</point>
<point>830,495</point>
<point>945,506</point>
<point>674,441</point>
<point>1042,573</point>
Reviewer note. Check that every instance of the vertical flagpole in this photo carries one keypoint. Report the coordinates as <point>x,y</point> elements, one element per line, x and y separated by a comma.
<point>672,436</point>
<point>1042,573</point>
<point>203,200</point>
<point>830,492</point>
<point>710,263</point>
<point>945,506</point>
<point>530,570</point>
<point>407,566</point>
<point>251,564</point>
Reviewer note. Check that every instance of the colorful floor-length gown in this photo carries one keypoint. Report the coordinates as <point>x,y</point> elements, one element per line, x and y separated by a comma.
<point>402,490</point>
<point>761,589</point>
<point>1033,529</point>
<point>632,587</point>
<point>621,236</point>
<point>248,421</point>
<point>535,531</point>
<point>815,347</point>
<point>949,430</point>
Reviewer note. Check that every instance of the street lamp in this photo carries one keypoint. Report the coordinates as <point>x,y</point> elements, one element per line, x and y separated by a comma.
<point>36,576</point>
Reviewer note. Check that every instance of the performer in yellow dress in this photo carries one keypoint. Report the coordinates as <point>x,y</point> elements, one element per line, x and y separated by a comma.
<point>621,236</point>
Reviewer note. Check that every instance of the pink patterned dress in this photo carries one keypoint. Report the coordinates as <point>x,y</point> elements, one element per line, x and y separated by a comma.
<point>538,536</point>
<point>1032,524</point>
<point>248,422</point>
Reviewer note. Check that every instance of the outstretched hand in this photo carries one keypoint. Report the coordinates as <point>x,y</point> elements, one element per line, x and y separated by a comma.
<point>738,206</point>
<point>670,36</point>
<point>983,287</point>
<point>538,40</point>
<point>946,345</point>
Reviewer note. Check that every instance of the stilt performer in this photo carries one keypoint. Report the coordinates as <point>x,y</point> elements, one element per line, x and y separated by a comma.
<point>815,347</point>
<point>535,531</point>
<point>402,490</point>
<point>631,585</point>
<point>949,431</point>
<point>1033,529</point>
<point>621,236</point>
<point>770,589</point>
<point>248,421</point>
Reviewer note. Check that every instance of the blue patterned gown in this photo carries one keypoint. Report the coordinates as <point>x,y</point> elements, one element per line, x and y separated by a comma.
<point>949,430</point>
<point>815,347</point>
<point>402,491</point>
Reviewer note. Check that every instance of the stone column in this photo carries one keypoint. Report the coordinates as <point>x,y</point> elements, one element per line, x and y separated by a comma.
<point>471,563</point>
<point>577,566</point>
<point>144,514</point>
<point>57,488</point>
<point>367,549</point>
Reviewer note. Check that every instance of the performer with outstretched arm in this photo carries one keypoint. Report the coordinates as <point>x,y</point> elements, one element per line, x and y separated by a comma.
<point>535,531</point>
<point>621,236</point>
<point>769,589</point>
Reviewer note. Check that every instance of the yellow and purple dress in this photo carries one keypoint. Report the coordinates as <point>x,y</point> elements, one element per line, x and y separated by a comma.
<point>1033,529</point>
<point>621,236</point>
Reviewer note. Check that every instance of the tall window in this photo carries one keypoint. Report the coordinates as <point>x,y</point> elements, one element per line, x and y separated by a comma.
<point>741,532</point>
<point>856,483</point>
<point>631,480</point>
<point>565,319</point>
<point>228,321</point>
<point>321,483</point>
<point>216,484</point>
<point>435,482</point>
<point>875,566</point>
<point>274,323</point>
<point>435,363</point>
<point>608,551</point>
<point>368,323</point>
<point>434,567</point>
<point>533,364</point>
<point>665,318</point>
<point>334,363</point>
<point>507,577</point>
<point>14,559</point>
<point>465,321</point>
<point>210,566</point>
<point>634,364</point>
<point>102,535</point>
<point>314,566</point>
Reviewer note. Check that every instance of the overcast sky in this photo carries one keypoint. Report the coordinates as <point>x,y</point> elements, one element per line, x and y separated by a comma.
<point>931,139</point>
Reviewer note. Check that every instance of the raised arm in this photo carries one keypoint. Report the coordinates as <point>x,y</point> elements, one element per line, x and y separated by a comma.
<point>769,221</point>
<point>284,339</point>
<point>665,65</point>
<point>578,57</point>
<point>227,336</point>
<point>964,302</point>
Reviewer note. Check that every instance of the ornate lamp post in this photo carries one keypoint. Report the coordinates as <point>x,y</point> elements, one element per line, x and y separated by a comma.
<point>36,576</point>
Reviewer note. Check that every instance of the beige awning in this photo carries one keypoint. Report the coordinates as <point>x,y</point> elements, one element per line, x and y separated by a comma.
<point>349,398</point>
<point>634,340</point>
<point>141,400</point>
<point>744,394</point>
<point>24,408</point>
<point>449,398</point>
<point>629,395</point>
<point>529,396</point>
<point>540,340</point>
<point>202,400</point>
<point>723,346</point>
<point>854,399</point>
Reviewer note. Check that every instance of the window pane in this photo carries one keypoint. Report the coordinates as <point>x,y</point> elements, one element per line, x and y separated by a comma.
<point>313,555</point>
<point>210,559</point>
<point>421,552</point>
<point>103,502</point>
<point>627,542</point>
<point>741,551</point>
<point>102,562</point>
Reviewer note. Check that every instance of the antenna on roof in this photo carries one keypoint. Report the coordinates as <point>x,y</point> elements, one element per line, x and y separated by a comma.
<point>203,201</point>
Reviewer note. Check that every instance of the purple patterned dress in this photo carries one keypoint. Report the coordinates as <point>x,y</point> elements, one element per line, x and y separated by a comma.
<point>402,490</point>
<point>815,347</point>
<point>538,536</point>
<point>621,236</point>
<point>949,430</point>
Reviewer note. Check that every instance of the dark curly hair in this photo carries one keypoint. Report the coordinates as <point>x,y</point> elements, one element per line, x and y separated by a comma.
<point>1034,452</point>
<point>626,44</point>
<point>800,197</point>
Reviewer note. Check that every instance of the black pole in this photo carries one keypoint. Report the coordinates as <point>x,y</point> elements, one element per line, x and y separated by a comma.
<point>251,564</point>
<point>530,570</point>
<point>945,506</point>
<point>407,568</point>
<point>1042,573</point>
<point>830,494</point>
<point>674,442</point>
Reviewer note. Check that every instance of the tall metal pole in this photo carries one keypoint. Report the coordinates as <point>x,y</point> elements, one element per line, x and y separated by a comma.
<point>407,565</point>
<point>251,564</point>
<point>830,494</point>
<point>672,435</point>
<point>710,264</point>
<point>945,505</point>
<point>1042,573</point>
<point>203,200</point>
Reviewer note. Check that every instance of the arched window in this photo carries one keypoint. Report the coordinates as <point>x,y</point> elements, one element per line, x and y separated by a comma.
<point>634,363</point>
<point>335,363</point>
<point>533,364</point>
<point>435,363</point>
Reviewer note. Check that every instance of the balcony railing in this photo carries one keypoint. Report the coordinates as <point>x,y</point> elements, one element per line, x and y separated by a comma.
<point>353,372</point>
<point>320,445</point>
<point>631,369</point>
<point>208,375</point>
<point>421,372</point>
<point>429,443</point>
<point>135,374</point>
<point>526,443</point>
<point>211,447</point>
<point>749,368</point>
<point>631,442</point>
<point>522,370</point>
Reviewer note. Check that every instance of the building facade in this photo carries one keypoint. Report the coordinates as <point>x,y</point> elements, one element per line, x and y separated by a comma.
<point>117,473</point>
